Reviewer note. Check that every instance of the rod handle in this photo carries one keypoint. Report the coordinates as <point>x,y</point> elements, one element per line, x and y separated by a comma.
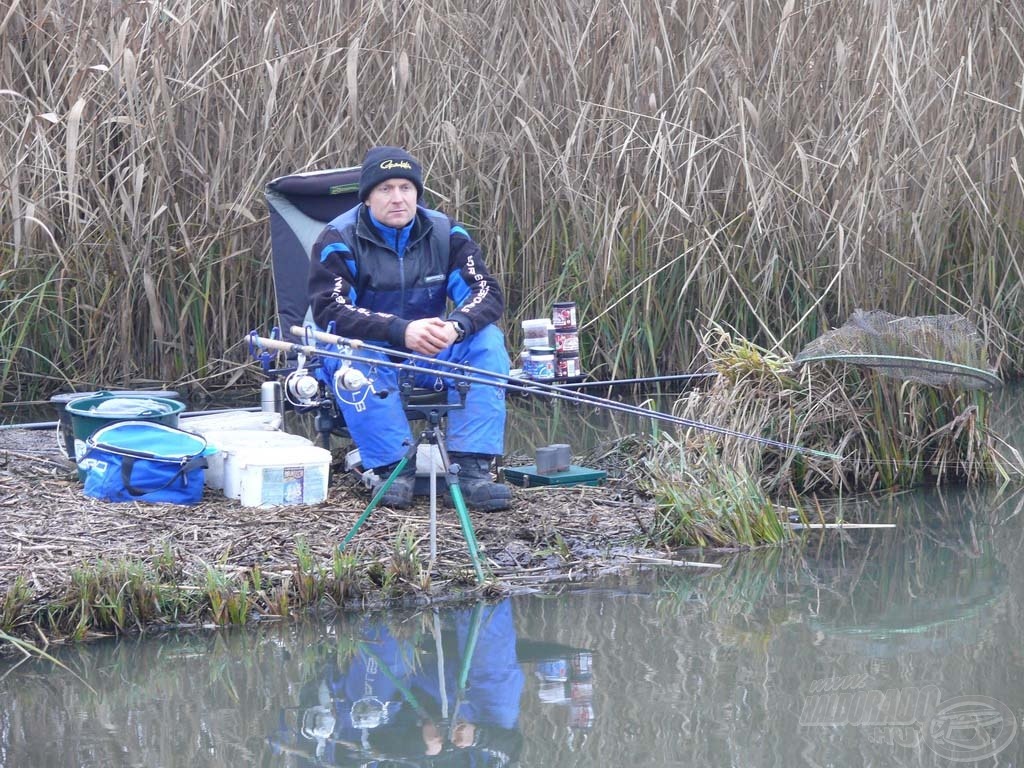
<point>275,344</point>
<point>326,338</point>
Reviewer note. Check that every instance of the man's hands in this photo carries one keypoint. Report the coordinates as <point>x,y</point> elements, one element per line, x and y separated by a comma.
<point>429,335</point>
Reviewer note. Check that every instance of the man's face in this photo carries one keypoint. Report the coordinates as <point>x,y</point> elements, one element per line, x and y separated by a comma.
<point>393,202</point>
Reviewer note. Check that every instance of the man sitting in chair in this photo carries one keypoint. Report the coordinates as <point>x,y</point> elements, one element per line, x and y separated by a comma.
<point>384,272</point>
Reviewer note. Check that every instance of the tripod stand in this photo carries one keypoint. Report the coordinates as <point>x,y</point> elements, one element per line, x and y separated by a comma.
<point>433,436</point>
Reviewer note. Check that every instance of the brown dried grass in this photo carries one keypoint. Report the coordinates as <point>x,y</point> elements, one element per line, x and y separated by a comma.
<point>767,166</point>
<point>61,548</point>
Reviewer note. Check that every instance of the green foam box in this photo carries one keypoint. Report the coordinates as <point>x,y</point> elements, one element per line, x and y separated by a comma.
<point>529,477</point>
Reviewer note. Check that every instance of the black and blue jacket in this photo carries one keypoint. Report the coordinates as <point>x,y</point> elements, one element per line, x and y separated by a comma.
<point>371,280</point>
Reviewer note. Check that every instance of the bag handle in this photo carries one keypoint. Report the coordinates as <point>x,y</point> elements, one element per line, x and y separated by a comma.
<point>196,462</point>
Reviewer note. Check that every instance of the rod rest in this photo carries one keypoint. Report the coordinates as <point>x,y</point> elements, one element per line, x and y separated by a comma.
<point>430,405</point>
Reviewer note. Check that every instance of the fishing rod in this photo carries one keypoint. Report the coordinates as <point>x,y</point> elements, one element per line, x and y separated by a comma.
<point>501,380</point>
<point>551,390</point>
<point>509,382</point>
<point>663,379</point>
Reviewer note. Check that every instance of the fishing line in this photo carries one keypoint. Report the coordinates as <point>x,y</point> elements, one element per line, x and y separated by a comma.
<point>506,382</point>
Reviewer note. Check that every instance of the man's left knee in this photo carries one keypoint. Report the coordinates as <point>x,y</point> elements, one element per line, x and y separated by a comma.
<point>488,344</point>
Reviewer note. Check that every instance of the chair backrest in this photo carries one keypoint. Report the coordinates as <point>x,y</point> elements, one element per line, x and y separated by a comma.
<point>300,205</point>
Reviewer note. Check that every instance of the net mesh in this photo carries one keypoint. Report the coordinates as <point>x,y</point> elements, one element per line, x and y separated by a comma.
<point>937,350</point>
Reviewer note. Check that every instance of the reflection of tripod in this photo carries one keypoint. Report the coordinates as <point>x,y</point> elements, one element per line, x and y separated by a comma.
<point>433,437</point>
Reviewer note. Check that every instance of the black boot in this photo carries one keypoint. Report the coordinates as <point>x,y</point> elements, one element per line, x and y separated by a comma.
<point>479,489</point>
<point>399,495</point>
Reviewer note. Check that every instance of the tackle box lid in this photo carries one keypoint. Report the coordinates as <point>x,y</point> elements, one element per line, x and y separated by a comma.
<point>529,477</point>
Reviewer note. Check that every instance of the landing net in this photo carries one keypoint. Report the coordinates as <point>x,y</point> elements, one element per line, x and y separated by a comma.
<point>936,350</point>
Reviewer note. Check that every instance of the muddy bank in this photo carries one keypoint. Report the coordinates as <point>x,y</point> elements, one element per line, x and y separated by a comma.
<point>50,529</point>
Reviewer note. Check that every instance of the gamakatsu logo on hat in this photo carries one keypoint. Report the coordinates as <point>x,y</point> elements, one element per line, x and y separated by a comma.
<point>388,165</point>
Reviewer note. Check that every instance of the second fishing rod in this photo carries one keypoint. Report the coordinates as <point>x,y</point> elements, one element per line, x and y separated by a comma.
<point>510,383</point>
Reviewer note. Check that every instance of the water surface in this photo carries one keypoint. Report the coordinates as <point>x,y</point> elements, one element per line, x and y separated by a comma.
<point>762,663</point>
<point>875,647</point>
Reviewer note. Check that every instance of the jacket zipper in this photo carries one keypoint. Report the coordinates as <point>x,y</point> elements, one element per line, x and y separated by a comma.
<point>401,271</point>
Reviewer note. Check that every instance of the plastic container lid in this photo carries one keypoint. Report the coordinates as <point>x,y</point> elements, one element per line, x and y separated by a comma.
<point>238,440</point>
<point>227,421</point>
<point>147,438</point>
<point>120,407</point>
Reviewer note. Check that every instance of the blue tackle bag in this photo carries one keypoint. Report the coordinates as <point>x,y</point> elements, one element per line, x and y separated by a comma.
<point>145,461</point>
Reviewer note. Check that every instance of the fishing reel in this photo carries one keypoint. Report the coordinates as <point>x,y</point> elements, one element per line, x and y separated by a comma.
<point>304,390</point>
<point>352,386</point>
<point>301,388</point>
<point>370,712</point>
<point>349,379</point>
<point>318,723</point>
<point>295,386</point>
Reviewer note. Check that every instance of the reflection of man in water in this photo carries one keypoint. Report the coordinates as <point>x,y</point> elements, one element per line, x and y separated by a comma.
<point>494,682</point>
<point>391,700</point>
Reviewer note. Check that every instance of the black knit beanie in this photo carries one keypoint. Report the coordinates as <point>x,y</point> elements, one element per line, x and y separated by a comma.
<point>383,163</point>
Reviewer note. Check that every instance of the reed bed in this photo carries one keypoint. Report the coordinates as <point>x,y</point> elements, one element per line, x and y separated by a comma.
<point>884,434</point>
<point>768,166</point>
<point>72,567</point>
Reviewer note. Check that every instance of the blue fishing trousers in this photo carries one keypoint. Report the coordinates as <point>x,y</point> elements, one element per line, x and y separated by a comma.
<point>379,426</point>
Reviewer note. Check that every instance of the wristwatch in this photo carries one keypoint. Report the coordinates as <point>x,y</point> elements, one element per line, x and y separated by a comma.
<point>460,330</point>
